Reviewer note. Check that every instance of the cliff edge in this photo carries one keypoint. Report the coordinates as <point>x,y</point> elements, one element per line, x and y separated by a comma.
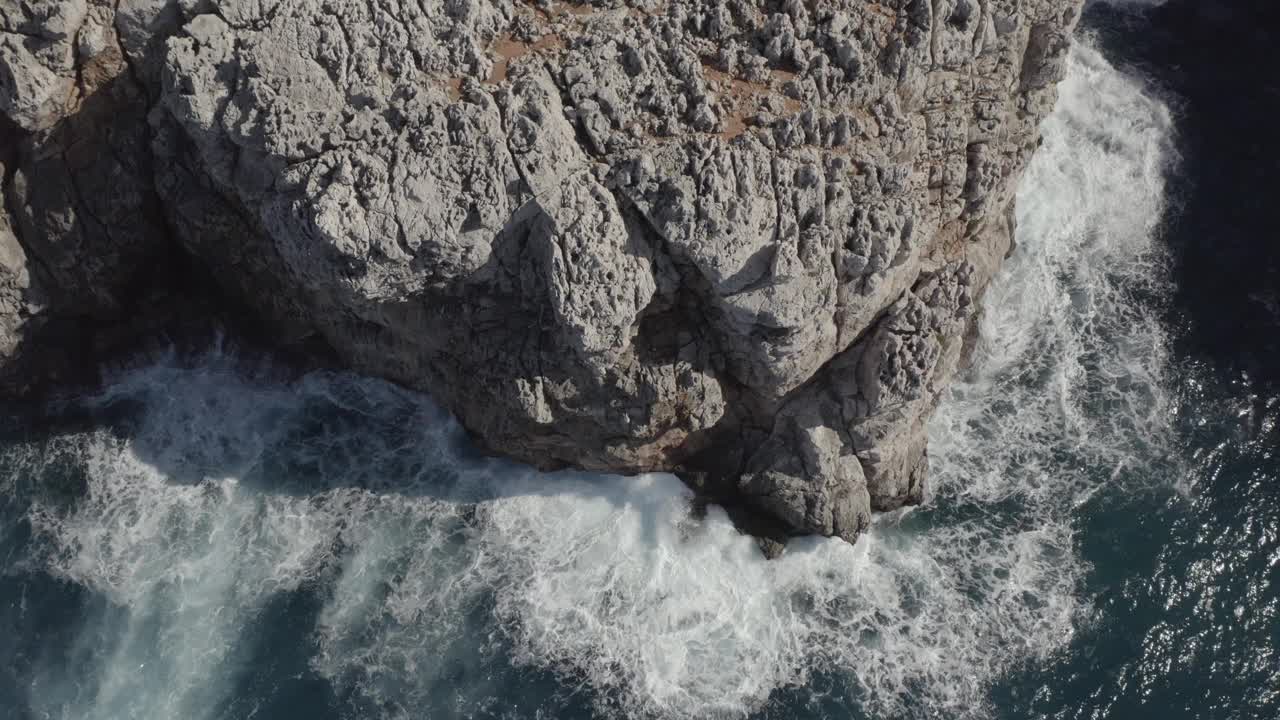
<point>741,240</point>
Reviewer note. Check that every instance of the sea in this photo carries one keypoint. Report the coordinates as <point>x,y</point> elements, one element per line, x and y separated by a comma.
<point>212,536</point>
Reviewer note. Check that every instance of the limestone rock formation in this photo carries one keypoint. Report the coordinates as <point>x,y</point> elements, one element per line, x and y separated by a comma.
<point>743,240</point>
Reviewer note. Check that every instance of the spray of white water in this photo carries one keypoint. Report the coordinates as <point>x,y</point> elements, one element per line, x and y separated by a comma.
<point>442,575</point>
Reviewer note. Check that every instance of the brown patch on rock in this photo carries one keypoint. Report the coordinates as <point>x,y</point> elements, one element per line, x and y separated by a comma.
<point>508,50</point>
<point>740,99</point>
<point>453,88</point>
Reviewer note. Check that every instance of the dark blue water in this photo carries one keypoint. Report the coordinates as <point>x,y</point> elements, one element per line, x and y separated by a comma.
<point>1186,591</point>
<point>210,537</point>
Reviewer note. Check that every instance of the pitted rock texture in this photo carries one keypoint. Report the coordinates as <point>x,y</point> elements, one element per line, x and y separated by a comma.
<point>740,239</point>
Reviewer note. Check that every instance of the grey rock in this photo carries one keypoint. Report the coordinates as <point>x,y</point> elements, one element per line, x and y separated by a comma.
<point>80,207</point>
<point>19,294</point>
<point>736,238</point>
<point>75,175</point>
<point>38,59</point>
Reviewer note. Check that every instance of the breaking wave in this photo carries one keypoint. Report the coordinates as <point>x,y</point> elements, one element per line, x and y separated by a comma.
<point>226,513</point>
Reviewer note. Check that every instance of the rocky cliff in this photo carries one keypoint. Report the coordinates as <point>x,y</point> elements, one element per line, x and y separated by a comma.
<point>743,240</point>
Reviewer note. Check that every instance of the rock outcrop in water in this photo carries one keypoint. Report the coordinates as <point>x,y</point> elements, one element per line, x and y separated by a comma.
<point>743,240</point>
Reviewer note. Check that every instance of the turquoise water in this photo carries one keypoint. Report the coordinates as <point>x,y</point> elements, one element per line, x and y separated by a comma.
<point>210,537</point>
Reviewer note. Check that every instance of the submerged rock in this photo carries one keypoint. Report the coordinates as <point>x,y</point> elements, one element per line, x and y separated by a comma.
<point>742,240</point>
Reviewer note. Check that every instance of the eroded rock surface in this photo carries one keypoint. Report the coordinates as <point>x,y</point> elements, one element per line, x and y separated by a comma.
<point>740,239</point>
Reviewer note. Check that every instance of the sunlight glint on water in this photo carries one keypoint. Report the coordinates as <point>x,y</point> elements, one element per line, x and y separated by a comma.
<point>431,564</point>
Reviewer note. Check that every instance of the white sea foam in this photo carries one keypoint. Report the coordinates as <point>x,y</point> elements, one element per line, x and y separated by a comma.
<point>1072,353</point>
<point>445,576</point>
